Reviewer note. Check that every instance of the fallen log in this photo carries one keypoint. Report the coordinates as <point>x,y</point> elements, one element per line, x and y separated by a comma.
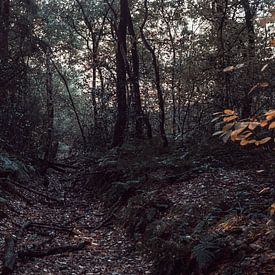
<point>51,251</point>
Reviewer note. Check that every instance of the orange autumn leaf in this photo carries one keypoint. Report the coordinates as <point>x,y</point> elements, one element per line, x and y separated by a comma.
<point>264,140</point>
<point>251,141</point>
<point>271,125</point>
<point>229,112</point>
<point>230,118</point>
<point>263,123</point>
<point>235,133</point>
<point>244,142</point>
<point>253,125</point>
<point>270,114</point>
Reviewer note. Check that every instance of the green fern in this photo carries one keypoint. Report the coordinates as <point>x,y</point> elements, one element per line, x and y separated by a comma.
<point>206,251</point>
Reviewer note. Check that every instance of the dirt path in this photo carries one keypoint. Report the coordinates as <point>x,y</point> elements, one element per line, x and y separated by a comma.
<point>107,250</point>
<point>241,198</point>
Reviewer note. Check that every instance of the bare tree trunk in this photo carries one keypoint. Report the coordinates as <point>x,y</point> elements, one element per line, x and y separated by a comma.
<point>157,78</point>
<point>120,125</point>
<point>247,100</point>
<point>72,103</point>
<point>4,30</point>
<point>50,108</point>
<point>220,13</point>
<point>96,37</point>
<point>135,78</point>
<point>173,74</point>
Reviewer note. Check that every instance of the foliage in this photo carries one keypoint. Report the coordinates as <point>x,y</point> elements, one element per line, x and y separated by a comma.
<point>208,250</point>
<point>246,131</point>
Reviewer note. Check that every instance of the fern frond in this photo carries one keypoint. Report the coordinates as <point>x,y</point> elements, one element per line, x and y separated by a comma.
<point>206,251</point>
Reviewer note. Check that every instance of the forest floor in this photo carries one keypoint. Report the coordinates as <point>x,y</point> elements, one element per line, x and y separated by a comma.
<point>70,222</point>
<point>159,216</point>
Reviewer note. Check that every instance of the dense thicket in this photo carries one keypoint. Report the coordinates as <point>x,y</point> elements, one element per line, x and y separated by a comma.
<point>99,73</point>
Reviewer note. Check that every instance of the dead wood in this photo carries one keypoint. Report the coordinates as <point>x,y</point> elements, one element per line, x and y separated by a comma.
<point>51,251</point>
<point>30,190</point>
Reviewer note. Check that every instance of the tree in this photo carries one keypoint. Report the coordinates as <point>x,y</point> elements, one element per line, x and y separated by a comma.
<point>120,125</point>
<point>157,77</point>
<point>4,30</point>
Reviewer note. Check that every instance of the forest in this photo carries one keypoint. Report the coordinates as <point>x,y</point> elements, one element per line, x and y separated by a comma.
<point>137,137</point>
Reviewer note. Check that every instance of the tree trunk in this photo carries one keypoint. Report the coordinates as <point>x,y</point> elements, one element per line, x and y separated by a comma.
<point>50,108</point>
<point>135,78</point>
<point>120,125</point>
<point>173,73</point>
<point>157,78</point>
<point>247,100</point>
<point>4,30</point>
<point>219,10</point>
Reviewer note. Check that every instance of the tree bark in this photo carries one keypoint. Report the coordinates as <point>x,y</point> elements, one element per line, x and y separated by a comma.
<point>173,74</point>
<point>120,125</point>
<point>4,30</point>
<point>247,100</point>
<point>135,78</point>
<point>50,108</point>
<point>157,78</point>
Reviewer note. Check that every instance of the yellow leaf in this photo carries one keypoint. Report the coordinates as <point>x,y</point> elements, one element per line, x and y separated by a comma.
<point>252,141</point>
<point>271,125</point>
<point>230,118</point>
<point>253,125</point>
<point>229,112</point>
<point>264,140</point>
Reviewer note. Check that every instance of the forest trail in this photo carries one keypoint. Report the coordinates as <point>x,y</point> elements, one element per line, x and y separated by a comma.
<point>177,211</point>
<point>70,222</point>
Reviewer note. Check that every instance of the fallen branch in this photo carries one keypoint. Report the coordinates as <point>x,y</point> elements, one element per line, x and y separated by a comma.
<point>51,251</point>
<point>53,226</point>
<point>64,225</point>
<point>30,190</point>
